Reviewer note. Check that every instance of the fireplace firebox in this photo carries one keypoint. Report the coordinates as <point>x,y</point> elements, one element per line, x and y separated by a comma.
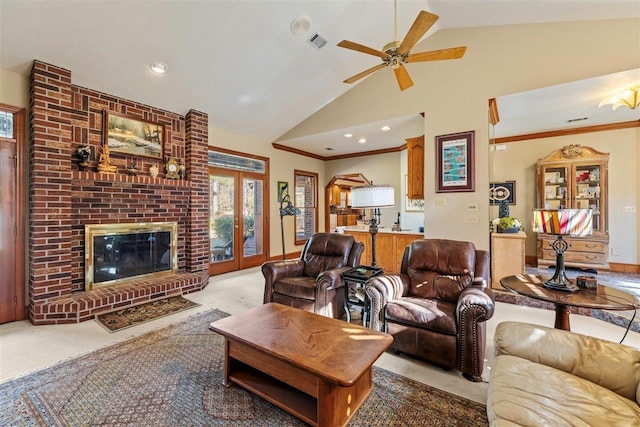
<point>117,253</point>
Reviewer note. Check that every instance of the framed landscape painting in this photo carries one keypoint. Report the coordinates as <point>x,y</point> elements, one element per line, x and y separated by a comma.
<point>126,135</point>
<point>455,162</point>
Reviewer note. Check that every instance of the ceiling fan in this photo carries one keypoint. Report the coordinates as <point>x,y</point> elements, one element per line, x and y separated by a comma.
<point>395,54</point>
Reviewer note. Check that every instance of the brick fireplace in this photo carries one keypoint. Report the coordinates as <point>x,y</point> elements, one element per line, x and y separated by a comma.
<point>62,199</point>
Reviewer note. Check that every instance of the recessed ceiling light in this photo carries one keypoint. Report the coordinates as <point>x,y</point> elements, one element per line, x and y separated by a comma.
<point>362,140</point>
<point>348,135</point>
<point>159,67</point>
<point>385,128</point>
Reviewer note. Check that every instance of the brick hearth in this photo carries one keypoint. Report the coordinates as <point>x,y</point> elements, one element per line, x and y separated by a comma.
<point>62,199</point>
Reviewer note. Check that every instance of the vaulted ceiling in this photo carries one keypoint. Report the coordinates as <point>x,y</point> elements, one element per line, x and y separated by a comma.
<point>238,60</point>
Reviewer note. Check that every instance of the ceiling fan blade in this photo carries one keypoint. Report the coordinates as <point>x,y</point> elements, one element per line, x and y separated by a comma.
<point>438,55</point>
<point>404,81</point>
<point>421,25</point>
<point>362,48</point>
<point>365,73</point>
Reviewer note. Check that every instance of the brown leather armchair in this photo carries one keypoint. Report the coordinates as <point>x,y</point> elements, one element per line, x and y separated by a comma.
<point>437,306</point>
<point>314,282</point>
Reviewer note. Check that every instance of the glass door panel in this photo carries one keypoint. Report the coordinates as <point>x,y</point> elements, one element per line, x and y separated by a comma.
<point>252,214</point>
<point>587,191</point>
<point>222,225</point>
<point>556,181</point>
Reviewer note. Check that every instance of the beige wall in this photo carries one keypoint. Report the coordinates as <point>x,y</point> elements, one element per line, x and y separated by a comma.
<point>518,163</point>
<point>454,95</point>
<point>14,89</point>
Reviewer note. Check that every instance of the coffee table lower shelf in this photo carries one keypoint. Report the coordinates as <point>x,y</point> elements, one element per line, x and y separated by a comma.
<point>301,393</point>
<point>298,404</point>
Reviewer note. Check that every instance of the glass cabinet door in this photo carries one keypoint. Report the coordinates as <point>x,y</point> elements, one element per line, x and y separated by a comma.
<point>588,191</point>
<point>556,193</point>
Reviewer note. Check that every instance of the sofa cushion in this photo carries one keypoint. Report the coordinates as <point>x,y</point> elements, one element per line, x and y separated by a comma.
<point>296,287</point>
<point>437,316</point>
<point>531,394</point>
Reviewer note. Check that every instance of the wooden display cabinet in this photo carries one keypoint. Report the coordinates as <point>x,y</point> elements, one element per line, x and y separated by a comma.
<point>575,177</point>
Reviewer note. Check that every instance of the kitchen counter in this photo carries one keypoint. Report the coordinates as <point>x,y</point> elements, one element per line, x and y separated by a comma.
<point>389,246</point>
<point>380,230</point>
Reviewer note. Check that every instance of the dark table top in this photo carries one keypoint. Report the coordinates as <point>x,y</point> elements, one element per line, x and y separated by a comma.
<point>604,298</point>
<point>362,273</point>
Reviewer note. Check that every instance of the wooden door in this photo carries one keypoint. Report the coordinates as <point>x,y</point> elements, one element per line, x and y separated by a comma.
<point>12,277</point>
<point>238,220</point>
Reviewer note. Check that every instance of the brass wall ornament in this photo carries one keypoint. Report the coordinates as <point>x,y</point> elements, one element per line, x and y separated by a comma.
<point>171,169</point>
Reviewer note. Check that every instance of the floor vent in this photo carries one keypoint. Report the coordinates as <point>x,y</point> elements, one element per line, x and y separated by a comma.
<point>317,41</point>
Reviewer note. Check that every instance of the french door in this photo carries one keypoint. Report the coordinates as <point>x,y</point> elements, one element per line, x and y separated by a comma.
<point>238,220</point>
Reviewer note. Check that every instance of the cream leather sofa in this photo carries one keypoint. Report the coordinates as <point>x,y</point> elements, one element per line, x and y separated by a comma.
<point>549,377</point>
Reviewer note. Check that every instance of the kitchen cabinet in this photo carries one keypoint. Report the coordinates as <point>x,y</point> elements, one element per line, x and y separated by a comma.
<point>576,177</point>
<point>415,168</point>
<point>389,247</point>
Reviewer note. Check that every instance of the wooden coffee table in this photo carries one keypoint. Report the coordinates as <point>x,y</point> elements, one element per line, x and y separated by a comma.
<point>605,298</point>
<point>316,368</point>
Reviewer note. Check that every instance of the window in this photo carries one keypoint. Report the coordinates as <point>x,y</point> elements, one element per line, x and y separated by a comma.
<point>306,200</point>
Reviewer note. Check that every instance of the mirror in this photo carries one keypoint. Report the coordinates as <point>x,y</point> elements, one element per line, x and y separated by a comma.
<point>533,124</point>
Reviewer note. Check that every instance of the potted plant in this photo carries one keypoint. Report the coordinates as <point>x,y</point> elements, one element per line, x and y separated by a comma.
<point>507,224</point>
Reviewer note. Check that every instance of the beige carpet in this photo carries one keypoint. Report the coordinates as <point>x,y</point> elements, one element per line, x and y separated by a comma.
<point>173,377</point>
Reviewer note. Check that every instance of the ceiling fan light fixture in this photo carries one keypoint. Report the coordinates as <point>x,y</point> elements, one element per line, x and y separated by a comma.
<point>629,98</point>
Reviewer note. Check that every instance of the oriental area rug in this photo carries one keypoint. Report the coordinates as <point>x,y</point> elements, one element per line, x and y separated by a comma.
<point>173,377</point>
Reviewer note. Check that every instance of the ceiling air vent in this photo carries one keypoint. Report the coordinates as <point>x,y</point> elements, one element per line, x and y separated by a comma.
<point>579,119</point>
<point>317,41</point>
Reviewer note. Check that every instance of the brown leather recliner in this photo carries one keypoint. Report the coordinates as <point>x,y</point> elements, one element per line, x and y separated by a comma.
<point>314,282</point>
<point>437,306</point>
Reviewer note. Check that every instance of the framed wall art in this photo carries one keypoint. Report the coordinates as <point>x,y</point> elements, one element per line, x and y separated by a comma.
<point>133,137</point>
<point>455,166</point>
<point>283,190</point>
<point>499,191</point>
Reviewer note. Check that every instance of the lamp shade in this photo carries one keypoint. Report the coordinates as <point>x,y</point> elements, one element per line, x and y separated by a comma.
<point>372,196</point>
<point>572,222</point>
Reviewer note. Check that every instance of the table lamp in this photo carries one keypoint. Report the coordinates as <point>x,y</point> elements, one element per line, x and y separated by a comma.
<point>373,197</point>
<point>562,222</point>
